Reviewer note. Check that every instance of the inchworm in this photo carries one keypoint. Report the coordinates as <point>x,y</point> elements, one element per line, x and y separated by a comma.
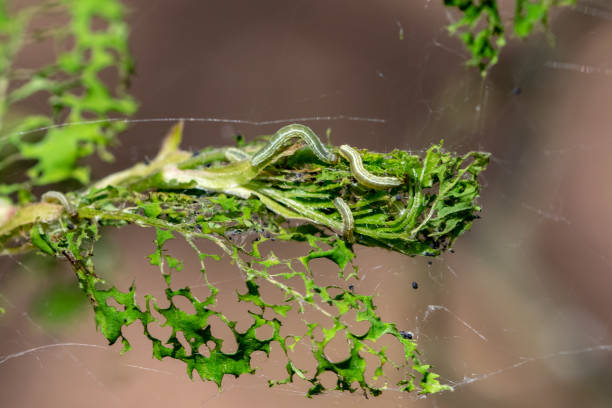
<point>348,223</point>
<point>235,155</point>
<point>283,137</point>
<point>57,196</point>
<point>362,175</point>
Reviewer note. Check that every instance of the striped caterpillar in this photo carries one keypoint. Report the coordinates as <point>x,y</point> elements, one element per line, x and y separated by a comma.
<point>283,137</point>
<point>233,154</point>
<point>363,176</point>
<point>61,198</point>
<point>348,223</point>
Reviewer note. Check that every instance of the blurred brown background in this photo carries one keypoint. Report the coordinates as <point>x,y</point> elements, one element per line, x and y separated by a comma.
<point>520,315</point>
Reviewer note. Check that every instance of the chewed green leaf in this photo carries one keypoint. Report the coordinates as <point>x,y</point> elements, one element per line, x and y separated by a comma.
<point>339,253</point>
<point>41,240</point>
<point>290,187</point>
<point>174,263</point>
<point>293,200</point>
<point>73,87</point>
<point>481,28</point>
<point>529,13</point>
<point>162,237</point>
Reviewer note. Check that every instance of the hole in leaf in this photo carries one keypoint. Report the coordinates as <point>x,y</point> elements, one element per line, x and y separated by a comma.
<point>112,302</point>
<point>184,304</point>
<point>264,332</point>
<point>220,330</point>
<point>356,328</point>
<point>302,356</point>
<point>156,329</point>
<point>258,359</point>
<point>338,349</point>
<point>328,379</point>
<point>98,24</point>
<point>243,324</point>
<point>372,364</point>
<point>333,292</point>
<point>317,334</point>
<point>204,350</point>
<point>181,338</point>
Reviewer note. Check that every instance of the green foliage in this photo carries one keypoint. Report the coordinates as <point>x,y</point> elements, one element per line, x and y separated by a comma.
<point>289,198</point>
<point>433,206</point>
<point>481,28</point>
<point>91,44</point>
<point>530,13</point>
